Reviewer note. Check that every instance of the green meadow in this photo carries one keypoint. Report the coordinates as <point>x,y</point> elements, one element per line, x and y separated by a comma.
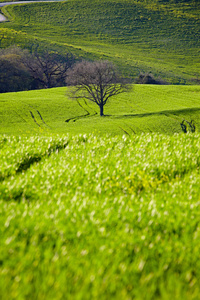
<point>147,108</point>
<point>146,36</point>
<point>100,217</point>
<point>103,207</point>
<point>100,207</point>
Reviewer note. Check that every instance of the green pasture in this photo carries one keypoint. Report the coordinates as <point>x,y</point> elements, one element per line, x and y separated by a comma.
<point>147,108</point>
<point>136,35</point>
<point>100,217</point>
<point>103,207</point>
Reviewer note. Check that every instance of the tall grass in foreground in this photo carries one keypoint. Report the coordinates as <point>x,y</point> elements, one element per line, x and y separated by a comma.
<point>90,217</point>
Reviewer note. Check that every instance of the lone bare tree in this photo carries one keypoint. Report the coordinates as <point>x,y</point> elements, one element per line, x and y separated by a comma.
<point>96,81</point>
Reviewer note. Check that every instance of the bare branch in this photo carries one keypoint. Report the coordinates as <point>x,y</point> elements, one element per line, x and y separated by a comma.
<point>48,68</point>
<point>96,81</point>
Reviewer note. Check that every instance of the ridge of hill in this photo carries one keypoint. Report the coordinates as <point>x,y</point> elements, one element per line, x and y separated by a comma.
<point>149,36</point>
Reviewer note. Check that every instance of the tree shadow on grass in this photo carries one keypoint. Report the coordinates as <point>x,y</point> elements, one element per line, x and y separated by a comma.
<point>167,113</point>
<point>178,112</point>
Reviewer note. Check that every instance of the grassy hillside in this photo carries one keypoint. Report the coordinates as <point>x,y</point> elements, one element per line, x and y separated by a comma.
<point>103,207</point>
<point>145,109</point>
<point>89,217</point>
<point>138,36</point>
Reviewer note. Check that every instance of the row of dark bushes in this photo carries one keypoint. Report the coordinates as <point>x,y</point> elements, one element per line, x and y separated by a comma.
<point>21,70</point>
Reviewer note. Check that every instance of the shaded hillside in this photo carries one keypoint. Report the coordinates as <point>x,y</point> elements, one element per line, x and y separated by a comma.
<point>161,37</point>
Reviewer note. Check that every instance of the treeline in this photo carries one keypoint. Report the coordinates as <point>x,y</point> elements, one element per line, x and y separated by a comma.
<point>21,70</point>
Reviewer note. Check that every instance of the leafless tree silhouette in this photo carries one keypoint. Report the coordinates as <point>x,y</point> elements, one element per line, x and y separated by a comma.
<point>49,69</point>
<point>96,81</point>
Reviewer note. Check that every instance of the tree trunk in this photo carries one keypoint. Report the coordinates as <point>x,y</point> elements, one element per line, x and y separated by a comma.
<point>101,109</point>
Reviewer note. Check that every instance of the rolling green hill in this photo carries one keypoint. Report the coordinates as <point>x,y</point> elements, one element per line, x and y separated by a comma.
<point>148,108</point>
<point>103,207</point>
<point>158,37</point>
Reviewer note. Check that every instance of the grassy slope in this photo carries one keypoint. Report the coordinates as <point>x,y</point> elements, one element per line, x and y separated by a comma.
<point>145,109</point>
<point>137,36</point>
<point>90,217</point>
<point>119,224</point>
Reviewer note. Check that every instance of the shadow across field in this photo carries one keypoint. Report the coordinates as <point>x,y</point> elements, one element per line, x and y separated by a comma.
<point>28,160</point>
<point>86,115</point>
<point>167,113</point>
<point>184,111</point>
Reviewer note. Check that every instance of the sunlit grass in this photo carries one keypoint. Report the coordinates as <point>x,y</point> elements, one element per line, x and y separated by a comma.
<point>100,217</point>
<point>137,36</point>
<point>147,108</point>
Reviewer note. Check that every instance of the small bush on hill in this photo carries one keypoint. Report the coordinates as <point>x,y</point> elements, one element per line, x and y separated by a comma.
<point>148,78</point>
<point>187,126</point>
<point>196,80</point>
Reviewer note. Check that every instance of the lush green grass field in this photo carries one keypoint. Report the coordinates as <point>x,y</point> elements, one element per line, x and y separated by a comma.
<point>103,207</point>
<point>90,217</point>
<point>137,35</point>
<point>147,108</point>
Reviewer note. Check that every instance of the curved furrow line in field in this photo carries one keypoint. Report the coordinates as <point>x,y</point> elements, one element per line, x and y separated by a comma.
<point>80,117</point>
<point>20,116</point>
<point>87,115</point>
<point>86,103</point>
<point>130,128</point>
<point>83,107</point>
<point>32,116</point>
<point>126,132</point>
<point>36,110</point>
<point>74,119</point>
<point>42,119</point>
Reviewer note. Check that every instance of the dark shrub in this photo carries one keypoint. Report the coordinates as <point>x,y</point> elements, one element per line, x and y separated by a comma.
<point>148,78</point>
